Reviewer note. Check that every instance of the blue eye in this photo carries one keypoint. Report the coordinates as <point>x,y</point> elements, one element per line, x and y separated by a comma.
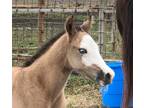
<point>82,51</point>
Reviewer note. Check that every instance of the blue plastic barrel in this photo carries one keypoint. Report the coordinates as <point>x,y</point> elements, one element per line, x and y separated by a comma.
<point>113,97</point>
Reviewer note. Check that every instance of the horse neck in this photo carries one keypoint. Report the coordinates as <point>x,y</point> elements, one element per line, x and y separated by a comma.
<point>51,69</point>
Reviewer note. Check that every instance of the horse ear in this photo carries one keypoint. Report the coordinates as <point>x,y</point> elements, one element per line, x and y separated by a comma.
<point>69,26</point>
<point>86,24</point>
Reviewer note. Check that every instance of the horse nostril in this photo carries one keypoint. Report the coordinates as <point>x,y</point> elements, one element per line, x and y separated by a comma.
<point>108,76</point>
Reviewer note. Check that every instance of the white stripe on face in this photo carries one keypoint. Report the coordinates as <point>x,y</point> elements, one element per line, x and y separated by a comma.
<point>93,56</point>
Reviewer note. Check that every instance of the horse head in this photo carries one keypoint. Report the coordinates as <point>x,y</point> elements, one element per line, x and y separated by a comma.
<point>83,53</point>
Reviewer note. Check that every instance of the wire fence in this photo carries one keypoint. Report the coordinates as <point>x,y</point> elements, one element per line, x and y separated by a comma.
<point>62,4</point>
<point>35,21</point>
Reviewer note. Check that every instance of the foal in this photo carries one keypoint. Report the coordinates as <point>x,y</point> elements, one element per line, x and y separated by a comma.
<point>40,83</point>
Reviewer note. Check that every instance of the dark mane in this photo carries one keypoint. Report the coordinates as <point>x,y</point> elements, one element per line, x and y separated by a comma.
<point>43,49</point>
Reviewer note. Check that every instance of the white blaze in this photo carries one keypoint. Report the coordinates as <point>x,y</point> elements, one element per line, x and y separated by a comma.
<point>93,56</point>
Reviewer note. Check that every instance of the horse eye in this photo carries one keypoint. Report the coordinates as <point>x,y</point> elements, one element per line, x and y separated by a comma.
<point>82,51</point>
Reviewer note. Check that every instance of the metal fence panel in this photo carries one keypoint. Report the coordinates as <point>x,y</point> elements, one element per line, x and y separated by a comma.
<point>35,21</point>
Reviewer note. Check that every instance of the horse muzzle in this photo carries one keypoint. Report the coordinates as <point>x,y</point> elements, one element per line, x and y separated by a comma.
<point>103,79</point>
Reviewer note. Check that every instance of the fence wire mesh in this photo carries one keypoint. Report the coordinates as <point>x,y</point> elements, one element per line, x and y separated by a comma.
<point>35,21</point>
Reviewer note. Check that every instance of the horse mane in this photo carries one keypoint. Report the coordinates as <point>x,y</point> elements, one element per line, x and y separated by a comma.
<point>125,25</point>
<point>45,47</point>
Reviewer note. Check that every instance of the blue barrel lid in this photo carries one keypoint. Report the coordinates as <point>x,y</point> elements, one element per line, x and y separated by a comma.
<point>114,64</point>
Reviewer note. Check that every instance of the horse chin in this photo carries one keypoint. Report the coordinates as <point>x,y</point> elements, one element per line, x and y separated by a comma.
<point>88,75</point>
<point>101,83</point>
<point>92,76</point>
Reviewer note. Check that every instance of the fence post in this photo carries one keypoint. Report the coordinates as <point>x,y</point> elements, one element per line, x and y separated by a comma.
<point>41,24</point>
<point>101,26</point>
<point>113,30</point>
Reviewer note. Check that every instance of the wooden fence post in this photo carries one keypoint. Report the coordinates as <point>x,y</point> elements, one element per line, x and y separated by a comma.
<point>113,31</point>
<point>41,25</point>
<point>101,26</point>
